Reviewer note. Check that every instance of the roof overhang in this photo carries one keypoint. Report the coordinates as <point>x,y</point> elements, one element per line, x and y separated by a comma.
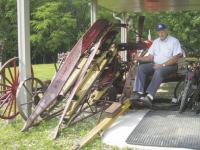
<point>149,5</point>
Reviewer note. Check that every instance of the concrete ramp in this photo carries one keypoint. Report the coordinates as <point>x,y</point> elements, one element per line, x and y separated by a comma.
<point>118,133</point>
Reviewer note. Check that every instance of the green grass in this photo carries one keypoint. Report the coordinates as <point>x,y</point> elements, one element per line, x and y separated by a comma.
<point>44,71</point>
<point>38,137</point>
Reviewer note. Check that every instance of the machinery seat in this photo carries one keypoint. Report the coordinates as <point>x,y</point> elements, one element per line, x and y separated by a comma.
<point>174,77</point>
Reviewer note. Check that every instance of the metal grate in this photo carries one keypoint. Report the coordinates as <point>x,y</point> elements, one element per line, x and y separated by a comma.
<point>167,129</point>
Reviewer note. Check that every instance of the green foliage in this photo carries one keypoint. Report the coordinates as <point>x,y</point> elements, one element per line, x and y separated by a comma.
<point>51,28</point>
<point>8,27</point>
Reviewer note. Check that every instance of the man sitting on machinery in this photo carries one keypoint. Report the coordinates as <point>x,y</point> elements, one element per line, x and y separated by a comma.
<point>163,56</point>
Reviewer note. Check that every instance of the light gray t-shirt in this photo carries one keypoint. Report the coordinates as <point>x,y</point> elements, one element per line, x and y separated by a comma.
<point>165,50</point>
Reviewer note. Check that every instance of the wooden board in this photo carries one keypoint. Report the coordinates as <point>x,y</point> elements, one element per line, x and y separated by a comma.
<point>91,77</point>
<point>128,87</point>
<point>113,109</point>
<point>73,76</point>
<point>104,124</point>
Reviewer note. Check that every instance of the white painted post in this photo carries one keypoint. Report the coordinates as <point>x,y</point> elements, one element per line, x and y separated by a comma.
<point>124,35</point>
<point>23,16</point>
<point>123,20</point>
<point>93,11</point>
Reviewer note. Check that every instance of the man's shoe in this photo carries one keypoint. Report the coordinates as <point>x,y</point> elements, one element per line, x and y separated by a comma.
<point>137,96</point>
<point>147,101</point>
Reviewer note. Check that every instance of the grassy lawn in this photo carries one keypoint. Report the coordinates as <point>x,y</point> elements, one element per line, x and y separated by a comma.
<point>44,71</point>
<point>38,137</point>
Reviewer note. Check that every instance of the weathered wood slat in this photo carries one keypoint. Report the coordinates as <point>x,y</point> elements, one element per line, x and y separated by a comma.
<point>104,124</point>
<point>73,76</point>
<point>113,109</point>
<point>128,87</point>
<point>91,77</point>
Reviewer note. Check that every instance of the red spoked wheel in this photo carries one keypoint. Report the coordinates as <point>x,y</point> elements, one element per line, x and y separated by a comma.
<point>9,74</point>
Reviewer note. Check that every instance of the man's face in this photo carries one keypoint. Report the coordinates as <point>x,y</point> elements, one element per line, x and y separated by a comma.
<point>163,34</point>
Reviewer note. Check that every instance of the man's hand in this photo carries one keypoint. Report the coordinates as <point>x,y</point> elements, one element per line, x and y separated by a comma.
<point>148,58</point>
<point>157,66</point>
<point>137,57</point>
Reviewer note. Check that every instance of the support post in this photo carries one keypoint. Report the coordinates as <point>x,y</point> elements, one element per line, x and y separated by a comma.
<point>93,11</point>
<point>123,20</point>
<point>23,18</point>
<point>124,36</point>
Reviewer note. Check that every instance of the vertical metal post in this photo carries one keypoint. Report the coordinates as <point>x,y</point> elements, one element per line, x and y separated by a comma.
<point>93,11</point>
<point>124,36</point>
<point>23,17</point>
<point>123,20</point>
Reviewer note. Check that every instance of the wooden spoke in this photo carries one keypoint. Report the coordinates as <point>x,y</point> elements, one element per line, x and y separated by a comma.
<point>8,104</point>
<point>17,77</point>
<point>9,70</point>
<point>4,101</point>
<point>15,70</point>
<point>6,79</point>
<point>5,91</point>
<point>3,96</point>
<point>27,90</point>
<point>15,106</point>
<point>4,85</point>
<point>11,106</point>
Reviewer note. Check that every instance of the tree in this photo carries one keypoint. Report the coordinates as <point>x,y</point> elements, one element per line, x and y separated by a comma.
<point>51,29</point>
<point>8,28</point>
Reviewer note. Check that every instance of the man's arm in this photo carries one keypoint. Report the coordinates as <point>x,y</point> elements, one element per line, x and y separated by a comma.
<point>173,60</point>
<point>148,58</point>
<point>170,62</point>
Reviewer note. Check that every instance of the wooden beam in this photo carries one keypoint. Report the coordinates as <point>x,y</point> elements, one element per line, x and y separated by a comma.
<point>73,77</point>
<point>104,124</point>
<point>90,78</point>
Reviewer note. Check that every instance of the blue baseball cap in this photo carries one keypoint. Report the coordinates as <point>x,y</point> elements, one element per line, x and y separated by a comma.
<point>161,26</point>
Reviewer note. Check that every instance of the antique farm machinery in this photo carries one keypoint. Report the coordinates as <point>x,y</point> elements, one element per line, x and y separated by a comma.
<point>82,78</point>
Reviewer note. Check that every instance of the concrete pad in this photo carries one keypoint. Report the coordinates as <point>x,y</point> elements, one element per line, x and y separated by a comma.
<point>117,134</point>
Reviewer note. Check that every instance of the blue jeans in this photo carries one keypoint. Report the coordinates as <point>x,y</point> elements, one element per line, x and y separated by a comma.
<point>158,75</point>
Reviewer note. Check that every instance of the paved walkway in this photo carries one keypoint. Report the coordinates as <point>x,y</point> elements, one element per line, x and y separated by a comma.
<point>117,134</point>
